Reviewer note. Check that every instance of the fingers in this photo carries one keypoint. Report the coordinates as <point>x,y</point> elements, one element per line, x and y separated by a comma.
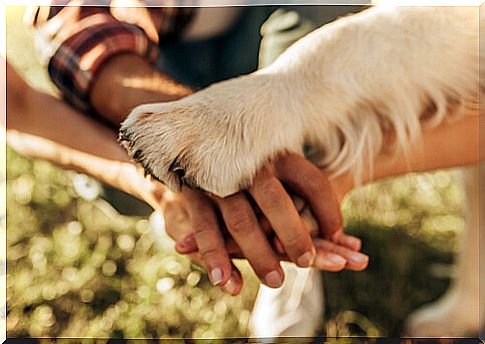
<point>280,211</point>
<point>328,261</point>
<point>177,223</point>
<point>244,228</point>
<point>349,241</point>
<point>310,183</point>
<point>355,260</point>
<point>324,260</point>
<point>235,283</point>
<point>188,245</point>
<point>208,237</point>
<point>179,228</point>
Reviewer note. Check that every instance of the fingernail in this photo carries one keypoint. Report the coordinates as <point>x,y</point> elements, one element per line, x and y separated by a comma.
<point>306,259</point>
<point>336,259</point>
<point>230,287</point>
<point>216,276</point>
<point>273,279</point>
<point>358,257</point>
<point>352,242</point>
<point>329,260</point>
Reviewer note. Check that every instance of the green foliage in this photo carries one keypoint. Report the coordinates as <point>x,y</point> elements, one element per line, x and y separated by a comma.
<point>78,267</point>
<point>404,272</point>
<point>409,227</point>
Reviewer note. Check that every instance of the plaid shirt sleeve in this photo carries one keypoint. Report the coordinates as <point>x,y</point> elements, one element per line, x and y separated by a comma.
<point>75,41</point>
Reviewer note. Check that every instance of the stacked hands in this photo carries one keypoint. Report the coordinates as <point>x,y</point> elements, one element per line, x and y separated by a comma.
<point>265,224</point>
<point>242,139</point>
<point>350,105</point>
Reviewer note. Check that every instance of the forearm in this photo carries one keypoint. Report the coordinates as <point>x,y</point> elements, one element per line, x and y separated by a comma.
<point>42,126</point>
<point>34,146</point>
<point>126,81</point>
<point>44,116</point>
<point>448,145</point>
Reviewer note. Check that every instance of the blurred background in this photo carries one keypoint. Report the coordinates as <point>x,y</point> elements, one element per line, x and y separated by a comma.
<point>79,267</point>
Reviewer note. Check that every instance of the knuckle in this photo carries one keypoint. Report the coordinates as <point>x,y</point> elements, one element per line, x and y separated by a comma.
<point>213,253</point>
<point>201,226</point>
<point>270,197</point>
<point>235,204</point>
<point>240,222</point>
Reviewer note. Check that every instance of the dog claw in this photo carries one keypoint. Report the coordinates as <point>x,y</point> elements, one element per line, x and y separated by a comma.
<point>176,168</point>
<point>124,136</point>
<point>137,155</point>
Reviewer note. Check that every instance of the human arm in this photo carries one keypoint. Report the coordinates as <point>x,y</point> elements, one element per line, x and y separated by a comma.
<point>448,145</point>
<point>41,126</point>
<point>78,43</point>
<point>128,80</point>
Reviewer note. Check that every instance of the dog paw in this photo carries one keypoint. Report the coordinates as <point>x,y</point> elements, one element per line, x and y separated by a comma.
<point>214,140</point>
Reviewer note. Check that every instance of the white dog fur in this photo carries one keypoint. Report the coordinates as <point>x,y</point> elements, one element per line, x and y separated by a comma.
<point>338,90</point>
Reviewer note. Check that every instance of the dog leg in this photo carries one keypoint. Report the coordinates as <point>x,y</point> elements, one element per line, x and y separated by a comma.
<point>337,90</point>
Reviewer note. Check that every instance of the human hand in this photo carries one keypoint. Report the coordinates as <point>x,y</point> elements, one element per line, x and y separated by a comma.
<point>231,227</point>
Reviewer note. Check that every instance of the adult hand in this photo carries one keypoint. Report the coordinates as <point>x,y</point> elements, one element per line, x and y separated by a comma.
<point>213,220</point>
<point>179,227</point>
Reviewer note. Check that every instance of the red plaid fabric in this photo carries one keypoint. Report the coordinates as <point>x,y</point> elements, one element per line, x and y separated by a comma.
<point>75,38</point>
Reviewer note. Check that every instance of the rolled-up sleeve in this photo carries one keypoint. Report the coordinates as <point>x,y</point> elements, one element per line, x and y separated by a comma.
<point>75,41</point>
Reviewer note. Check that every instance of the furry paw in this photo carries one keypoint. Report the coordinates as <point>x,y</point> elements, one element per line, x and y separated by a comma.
<point>215,140</point>
<point>336,100</point>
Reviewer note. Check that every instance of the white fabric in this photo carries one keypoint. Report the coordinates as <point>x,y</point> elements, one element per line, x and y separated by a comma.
<point>295,309</point>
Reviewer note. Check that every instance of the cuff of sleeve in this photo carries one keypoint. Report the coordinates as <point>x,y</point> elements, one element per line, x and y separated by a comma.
<point>74,65</point>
